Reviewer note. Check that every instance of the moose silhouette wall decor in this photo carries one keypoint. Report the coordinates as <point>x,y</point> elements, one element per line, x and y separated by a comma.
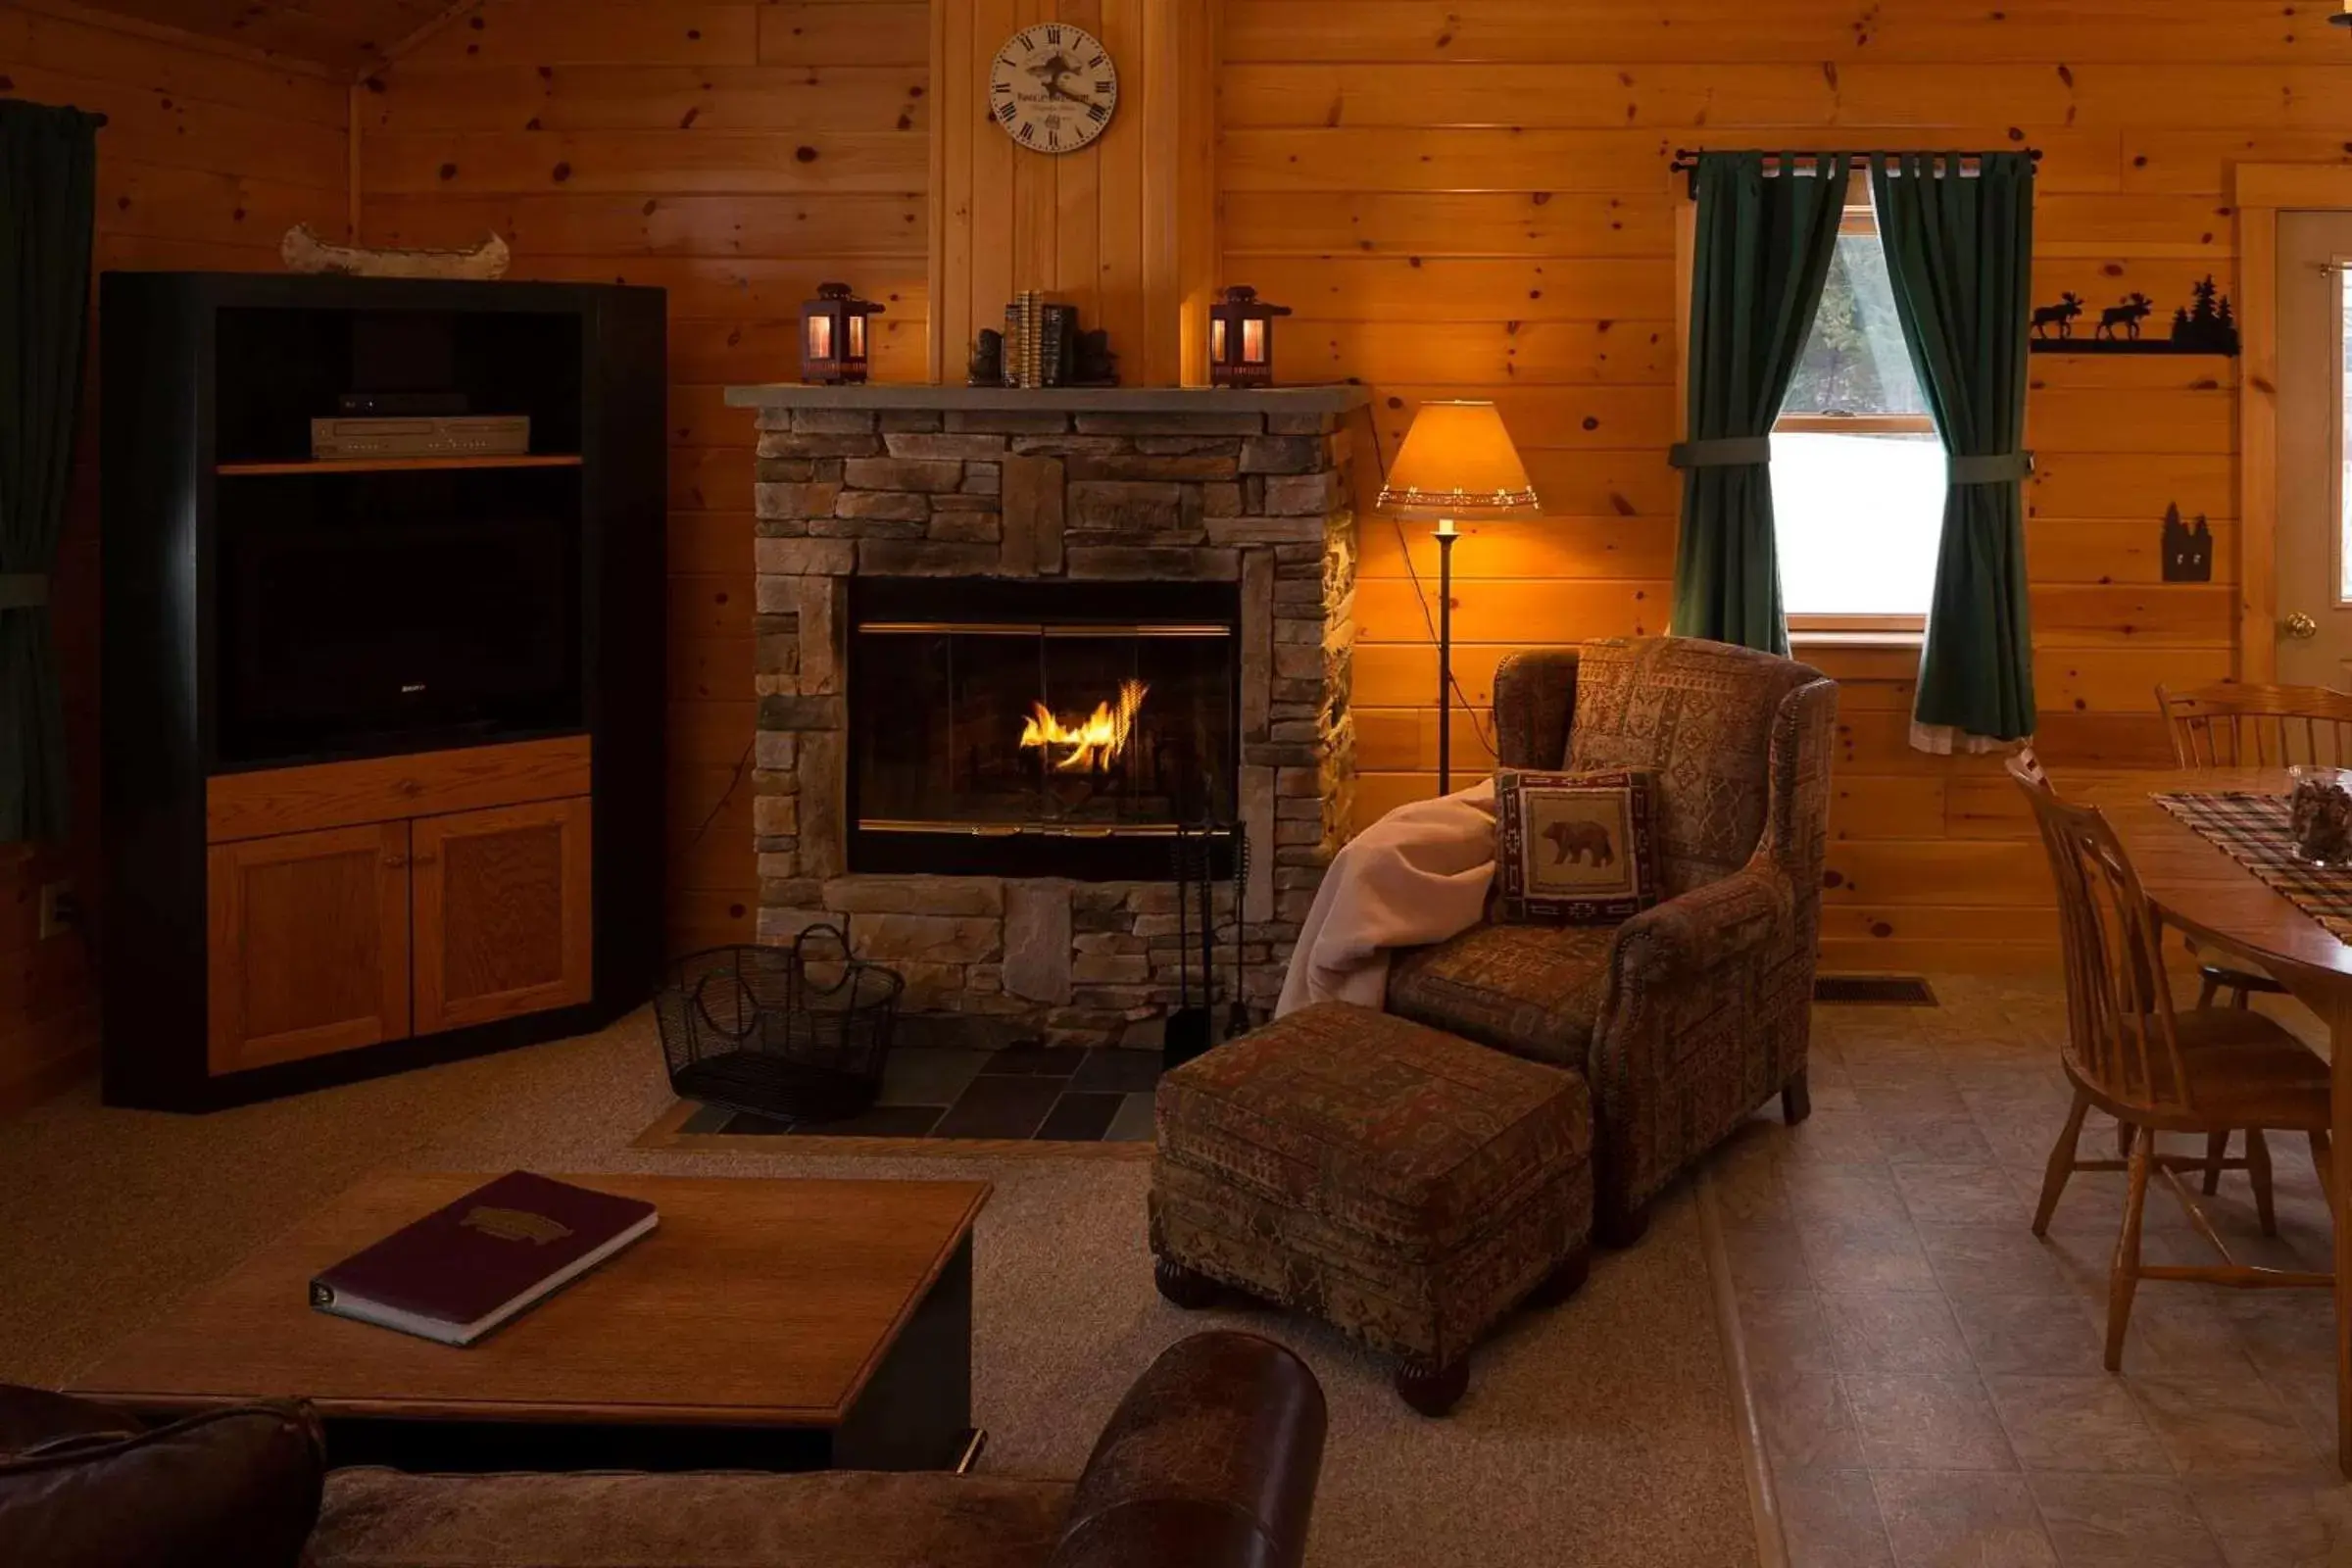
<point>2205,326</point>
<point>2188,551</point>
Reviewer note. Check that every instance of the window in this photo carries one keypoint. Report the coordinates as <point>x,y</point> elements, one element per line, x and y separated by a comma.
<point>1857,471</point>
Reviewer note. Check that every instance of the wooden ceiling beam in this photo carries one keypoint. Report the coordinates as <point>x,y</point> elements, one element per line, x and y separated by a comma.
<point>178,38</point>
<point>447,18</point>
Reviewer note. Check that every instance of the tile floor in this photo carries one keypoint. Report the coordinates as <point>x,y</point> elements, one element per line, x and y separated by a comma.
<point>1928,1372</point>
<point>1066,1093</point>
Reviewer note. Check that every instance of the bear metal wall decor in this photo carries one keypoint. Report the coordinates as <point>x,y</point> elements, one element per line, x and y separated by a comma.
<point>2206,325</point>
<point>2188,552</point>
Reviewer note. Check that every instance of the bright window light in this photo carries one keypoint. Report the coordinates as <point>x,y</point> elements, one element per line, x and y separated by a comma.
<point>1857,471</point>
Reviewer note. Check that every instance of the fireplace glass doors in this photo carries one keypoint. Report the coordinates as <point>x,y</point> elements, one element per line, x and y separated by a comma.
<point>1041,729</point>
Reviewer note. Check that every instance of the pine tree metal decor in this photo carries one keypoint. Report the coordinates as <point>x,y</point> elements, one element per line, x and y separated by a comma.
<point>2205,326</point>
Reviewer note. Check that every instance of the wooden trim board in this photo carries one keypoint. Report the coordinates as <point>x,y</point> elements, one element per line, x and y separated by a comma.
<point>296,799</point>
<point>2264,190</point>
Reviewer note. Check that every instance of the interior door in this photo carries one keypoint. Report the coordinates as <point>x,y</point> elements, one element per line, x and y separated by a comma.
<point>2315,566</point>
<point>309,945</point>
<point>503,912</point>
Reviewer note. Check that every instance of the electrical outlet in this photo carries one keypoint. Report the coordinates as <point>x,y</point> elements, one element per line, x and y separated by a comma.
<point>60,911</point>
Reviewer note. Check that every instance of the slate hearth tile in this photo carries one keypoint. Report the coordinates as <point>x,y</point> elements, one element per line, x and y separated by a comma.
<point>1896,1330</point>
<point>2085,1423</point>
<point>1785,1332</point>
<point>707,1119</point>
<point>1117,1071</point>
<point>1805,1422</point>
<point>1873,1256</point>
<point>1080,1118</point>
<point>1938,1519</point>
<point>919,1075</point>
<point>879,1121</point>
<point>746,1124</point>
<point>1960,1195</point>
<point>2007,1258</point>
<point>1832,1520</point>
<point>999,1107</point>
<point>1766,1257</point>
<point>1934,1138</point>
<point>1133,1124</point>
<point>2026,1334</point>
<point>2123,1522</point>
<point>1928,1423</point>
<point>2228,1425</point>
<point>2271,1524</point>
<point>1042,1061</point>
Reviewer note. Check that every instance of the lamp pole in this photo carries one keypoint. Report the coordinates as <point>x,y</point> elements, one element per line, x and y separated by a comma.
<point>1445,539</point>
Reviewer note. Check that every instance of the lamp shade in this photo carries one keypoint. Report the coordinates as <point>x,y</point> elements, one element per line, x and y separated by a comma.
<point>1458,463</point>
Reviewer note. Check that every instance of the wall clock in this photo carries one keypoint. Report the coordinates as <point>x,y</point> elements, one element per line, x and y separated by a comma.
<point>1052,88</point>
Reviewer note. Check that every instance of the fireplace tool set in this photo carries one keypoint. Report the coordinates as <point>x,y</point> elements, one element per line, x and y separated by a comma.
<point>1192,1028</point>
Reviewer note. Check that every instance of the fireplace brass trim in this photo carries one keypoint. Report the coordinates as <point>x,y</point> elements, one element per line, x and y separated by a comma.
<point>1002,628</point>
<point>1013,830</point>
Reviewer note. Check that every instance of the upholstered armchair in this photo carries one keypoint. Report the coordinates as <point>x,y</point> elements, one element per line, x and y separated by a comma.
<point>1690,1016</point>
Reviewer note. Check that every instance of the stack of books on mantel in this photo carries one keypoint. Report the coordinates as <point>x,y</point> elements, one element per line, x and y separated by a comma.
<point>1041,341</point>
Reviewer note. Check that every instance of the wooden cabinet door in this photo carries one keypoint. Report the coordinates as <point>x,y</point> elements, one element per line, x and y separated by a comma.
<point>503,913</point>
<point>307,950</point>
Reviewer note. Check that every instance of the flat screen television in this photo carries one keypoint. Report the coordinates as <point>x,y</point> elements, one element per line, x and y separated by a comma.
<point>391,621</point>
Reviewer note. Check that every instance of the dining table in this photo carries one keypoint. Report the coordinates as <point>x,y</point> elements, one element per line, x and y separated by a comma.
<point>2199,890</point>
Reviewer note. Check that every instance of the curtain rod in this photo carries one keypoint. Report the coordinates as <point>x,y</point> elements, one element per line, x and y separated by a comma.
<point>1686,159</point>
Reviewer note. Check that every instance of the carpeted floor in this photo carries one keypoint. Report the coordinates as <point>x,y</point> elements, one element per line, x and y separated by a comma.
<point>1600,1433</point>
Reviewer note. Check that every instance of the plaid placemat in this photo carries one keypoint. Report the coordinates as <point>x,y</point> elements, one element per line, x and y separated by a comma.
<point>2253,830</point>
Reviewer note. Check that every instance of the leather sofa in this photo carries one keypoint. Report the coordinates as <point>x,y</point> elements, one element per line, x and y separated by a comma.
<point>1210,1461</point>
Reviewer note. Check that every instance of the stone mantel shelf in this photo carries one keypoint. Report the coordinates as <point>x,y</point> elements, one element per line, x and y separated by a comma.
<point>1334,398</point>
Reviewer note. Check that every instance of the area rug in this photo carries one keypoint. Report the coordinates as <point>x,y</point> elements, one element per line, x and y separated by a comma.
<point>1600,1432</point>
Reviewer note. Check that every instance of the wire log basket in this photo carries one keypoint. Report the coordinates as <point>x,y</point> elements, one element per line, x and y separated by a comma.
<point>784,1032</point>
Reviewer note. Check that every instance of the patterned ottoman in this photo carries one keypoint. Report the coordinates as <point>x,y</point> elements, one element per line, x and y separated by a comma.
<point>1401,1184</point>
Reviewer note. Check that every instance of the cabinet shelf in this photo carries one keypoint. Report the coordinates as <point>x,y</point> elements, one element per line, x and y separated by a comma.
<point>399,465</point>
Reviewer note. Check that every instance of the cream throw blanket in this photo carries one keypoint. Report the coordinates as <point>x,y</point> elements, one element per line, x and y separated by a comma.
<point>1418,876</point>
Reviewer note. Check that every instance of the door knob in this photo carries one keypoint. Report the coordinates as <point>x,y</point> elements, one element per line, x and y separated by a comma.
<point>2301,627</point>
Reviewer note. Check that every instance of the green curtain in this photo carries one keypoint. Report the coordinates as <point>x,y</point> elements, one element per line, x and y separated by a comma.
<point>1960,251</point>
<point>48,186</point>
<point>1764,248</point>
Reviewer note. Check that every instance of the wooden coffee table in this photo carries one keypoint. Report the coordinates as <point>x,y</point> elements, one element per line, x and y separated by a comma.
<point>765,1324</point>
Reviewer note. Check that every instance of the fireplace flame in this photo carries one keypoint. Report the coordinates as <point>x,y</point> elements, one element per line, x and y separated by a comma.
<point>1097,738</point>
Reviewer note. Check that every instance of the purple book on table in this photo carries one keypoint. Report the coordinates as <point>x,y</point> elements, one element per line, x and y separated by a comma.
<point>463,1270</point>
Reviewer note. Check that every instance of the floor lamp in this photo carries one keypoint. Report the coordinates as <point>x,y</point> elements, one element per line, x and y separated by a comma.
<point>1458,466</point>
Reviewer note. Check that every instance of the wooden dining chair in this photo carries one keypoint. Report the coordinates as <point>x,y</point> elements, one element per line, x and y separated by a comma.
<point>2129,1053</point>
<point>2231,725</point>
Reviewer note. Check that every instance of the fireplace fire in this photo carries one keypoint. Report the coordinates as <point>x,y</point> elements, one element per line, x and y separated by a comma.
<point>1093,743</point>
<point>1049,729</point>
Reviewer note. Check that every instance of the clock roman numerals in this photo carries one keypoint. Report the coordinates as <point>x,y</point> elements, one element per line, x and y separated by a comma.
<point>1052,88</point>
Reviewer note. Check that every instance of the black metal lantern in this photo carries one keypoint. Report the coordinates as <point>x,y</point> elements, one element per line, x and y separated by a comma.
<point>1241,338</point>
<point>834,338</point>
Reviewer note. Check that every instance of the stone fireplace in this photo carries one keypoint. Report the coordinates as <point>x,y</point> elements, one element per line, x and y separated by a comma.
<point>1010,640</point>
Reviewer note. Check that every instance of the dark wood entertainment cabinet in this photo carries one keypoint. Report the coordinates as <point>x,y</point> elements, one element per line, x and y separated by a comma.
<point>283,912</point>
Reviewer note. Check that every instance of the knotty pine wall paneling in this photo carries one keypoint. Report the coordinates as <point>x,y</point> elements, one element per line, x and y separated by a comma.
<point>1124,229</point>
<point>1472,199</point>
<point>209,154</point>
<point>738,155</point>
